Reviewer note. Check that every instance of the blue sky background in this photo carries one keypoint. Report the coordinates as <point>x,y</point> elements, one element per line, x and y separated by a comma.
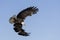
<point>45,25</point>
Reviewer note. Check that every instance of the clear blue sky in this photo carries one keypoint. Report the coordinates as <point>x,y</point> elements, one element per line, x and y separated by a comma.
<point>45,25</point>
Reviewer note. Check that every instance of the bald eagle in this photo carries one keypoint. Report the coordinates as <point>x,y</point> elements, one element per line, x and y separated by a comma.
<point>18,20</point>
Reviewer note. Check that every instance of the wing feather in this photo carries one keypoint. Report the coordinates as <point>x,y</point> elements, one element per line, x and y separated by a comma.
<point>27,12</point>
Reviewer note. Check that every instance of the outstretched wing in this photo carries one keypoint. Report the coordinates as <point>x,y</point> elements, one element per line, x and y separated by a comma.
<point>18,28</point>
<point>27,12</point>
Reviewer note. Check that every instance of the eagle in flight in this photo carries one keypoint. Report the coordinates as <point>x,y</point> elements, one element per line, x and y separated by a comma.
<point>18,21</point>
